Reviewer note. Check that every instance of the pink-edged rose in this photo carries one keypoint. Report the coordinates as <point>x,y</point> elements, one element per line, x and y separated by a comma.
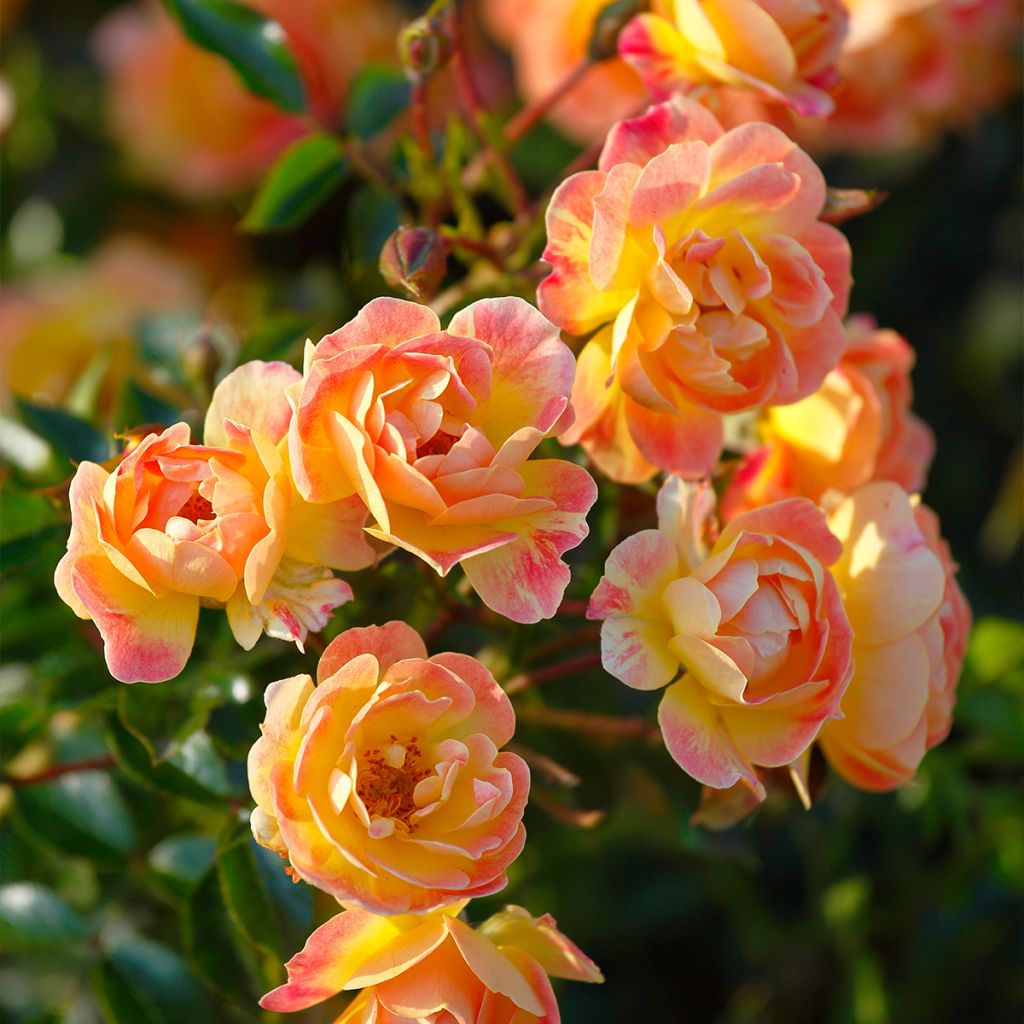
<point>910,622</point>
<point>384,784</point>
<point>433,430</point>
<point>436,968</point>
<point>699,258</point>
<point>748,634</point>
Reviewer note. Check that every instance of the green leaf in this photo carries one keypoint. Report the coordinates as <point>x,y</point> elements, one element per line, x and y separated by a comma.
<point>162,717</point>
<point>181,862</point>
<point>23,514</point>
<point>194,771</point>
<point>254,46</point>
<point>142,982</point>
<point>303,177</point>
<point>81,813</point>
<point>377,95</point>
<point>268,908</point>
<point>32,917</point>
<point>211,942</point>
<point>71,437</point>
<point>245,895</point>
<point>276,337</point>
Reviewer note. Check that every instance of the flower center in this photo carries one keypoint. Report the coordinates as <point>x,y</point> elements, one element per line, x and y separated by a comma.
<point>388,776</point>
<point>197,507</point>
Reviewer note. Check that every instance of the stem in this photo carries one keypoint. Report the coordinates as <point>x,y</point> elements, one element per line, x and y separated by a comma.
<point>582,637</point>
<point>420,114</point>
<point>522,122</point>
<point>482,248</point>
<point>87,764</point>
<point>547,766</point>
<point>562,668</point>
<point>478,113</point>
<point>611,727</point>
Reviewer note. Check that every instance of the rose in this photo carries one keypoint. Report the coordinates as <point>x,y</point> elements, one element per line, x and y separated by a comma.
<point>435,967</point>
<point>700,258</point>
<point>786,52</point>
<point>754,625</point>
<point>910,623</point>
<point>285,585</point>
<point>855,428</point>
<point>432,429</point>
<point>384,785</point>
<point>144,548</point>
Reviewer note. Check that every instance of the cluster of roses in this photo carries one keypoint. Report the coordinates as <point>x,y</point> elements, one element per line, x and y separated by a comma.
<point>818,605</point>
<point>384,785</point>
<point>826,608</point>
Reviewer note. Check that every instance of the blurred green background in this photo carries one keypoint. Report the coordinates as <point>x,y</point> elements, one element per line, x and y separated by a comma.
<point>131,893</point>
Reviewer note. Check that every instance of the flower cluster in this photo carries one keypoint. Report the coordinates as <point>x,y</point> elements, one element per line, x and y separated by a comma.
<point>384,785</point>
<point>795,599</point>
<point>421,435</point>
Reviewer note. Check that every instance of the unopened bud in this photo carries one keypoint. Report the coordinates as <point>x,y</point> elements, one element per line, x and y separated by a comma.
<point>424,47</point>
<point>610,21</point>
<point>414,259</point>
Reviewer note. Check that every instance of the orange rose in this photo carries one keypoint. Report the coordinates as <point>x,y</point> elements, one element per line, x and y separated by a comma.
<point>384,784</point>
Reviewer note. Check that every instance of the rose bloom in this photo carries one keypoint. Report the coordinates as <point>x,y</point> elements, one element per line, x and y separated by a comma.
<point>187,122</point>
<point>77,322</point>
<point>911,69</point>
<point>548,39</point>
<point>910,623</point>
<point>435,968</point>
<point>433,430</point>
<point>749,634</point>
<point>383,784</point>
<point>699,258</point>
<point>177,524</point>
<point>286,587</point>
<point>142,553</point>
<point>785,51</point>
<point>855,428</point>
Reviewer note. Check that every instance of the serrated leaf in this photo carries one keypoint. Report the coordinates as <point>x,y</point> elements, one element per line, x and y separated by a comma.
<point>303,177</point>
<point>33,917</point>
<point>377,95</point>
<point>69,436</point>
<point>81,813</point>
<point>195,771</point>
<point>142,982</point>
<point>255,46</point>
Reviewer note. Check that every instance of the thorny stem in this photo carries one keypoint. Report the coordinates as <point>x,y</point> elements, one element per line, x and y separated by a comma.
<point>87,764</point>
<point>610,727</point>
<point>562,668</point>
<point>478,113</point>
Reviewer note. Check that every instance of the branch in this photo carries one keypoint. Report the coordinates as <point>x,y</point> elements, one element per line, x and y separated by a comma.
<point>525,680</point>
<point>87,764</point>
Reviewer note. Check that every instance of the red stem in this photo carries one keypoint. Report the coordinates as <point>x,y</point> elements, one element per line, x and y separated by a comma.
<point>475,108</point>
<point>87,764</point>
<point>522,122</point>
<point>562,668</point>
